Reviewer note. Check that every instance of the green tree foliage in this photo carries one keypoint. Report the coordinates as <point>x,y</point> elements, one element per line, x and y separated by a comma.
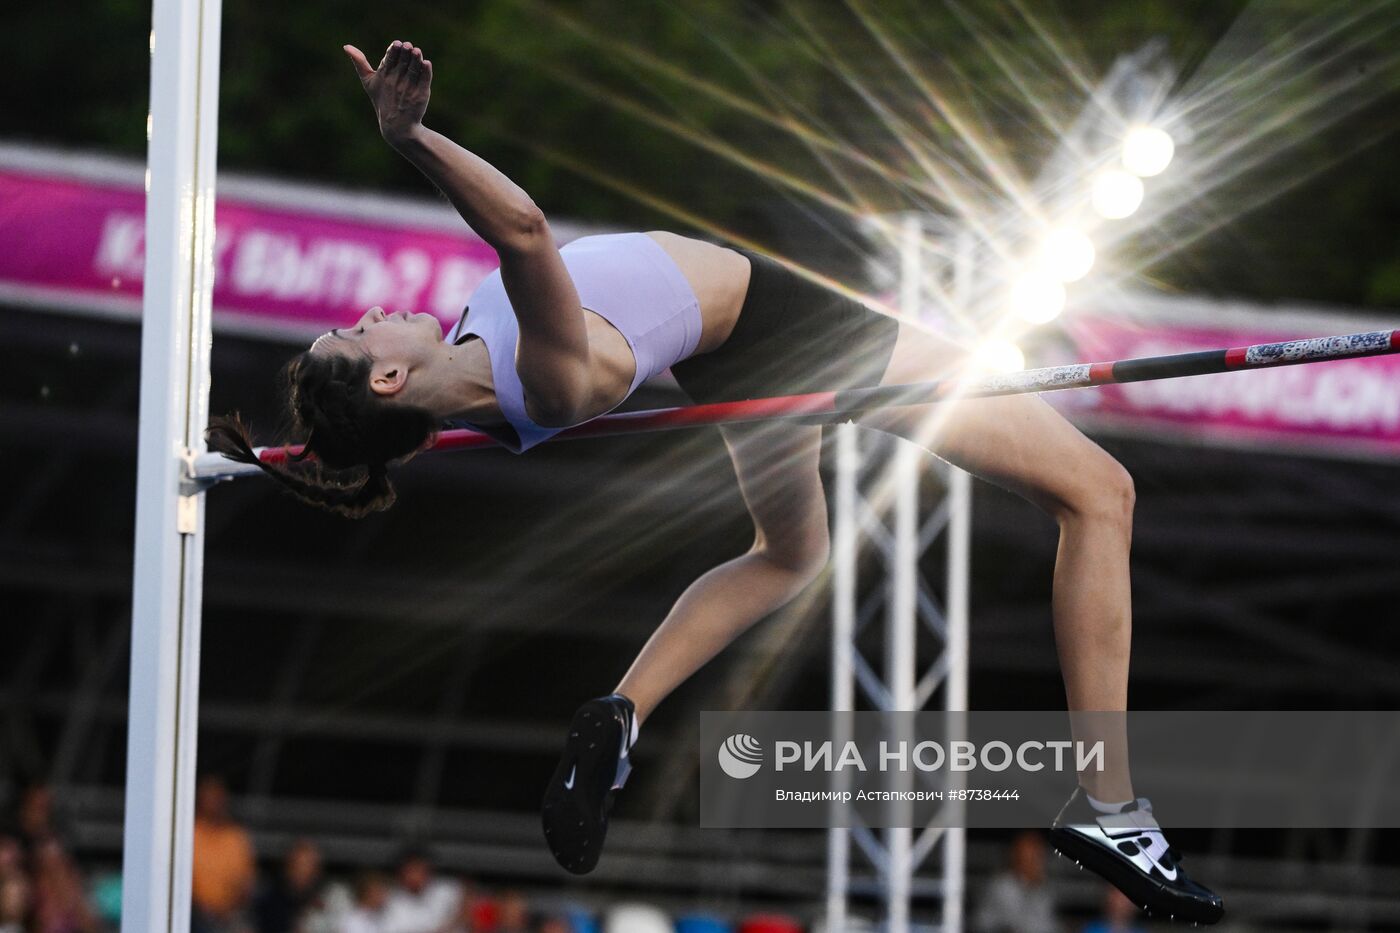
<point>720,115</point>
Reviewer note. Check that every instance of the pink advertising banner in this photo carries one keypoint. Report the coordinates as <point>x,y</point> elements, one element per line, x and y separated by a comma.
<point>287,268</point>
<point>1345,407</point>
<point>303,263</point>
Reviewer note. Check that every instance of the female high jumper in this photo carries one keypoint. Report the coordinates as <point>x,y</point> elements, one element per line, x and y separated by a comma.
<point>560,336</point>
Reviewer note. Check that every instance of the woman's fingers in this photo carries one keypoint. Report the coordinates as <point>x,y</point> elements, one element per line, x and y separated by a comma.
<point>393,57</point>
<point>401,60</point>
<point>362,66</point>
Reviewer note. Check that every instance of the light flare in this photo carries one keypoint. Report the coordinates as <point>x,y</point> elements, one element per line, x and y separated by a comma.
<point>1147,151</point>
<point>1036,297</point>
<point>1116,194</point>
<point>1065,253</point>
<point>998,356</point>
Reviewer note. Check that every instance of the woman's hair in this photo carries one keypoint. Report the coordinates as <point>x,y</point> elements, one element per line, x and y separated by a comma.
<point>349,430</point>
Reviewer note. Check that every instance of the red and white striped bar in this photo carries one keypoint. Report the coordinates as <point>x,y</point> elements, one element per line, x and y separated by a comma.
<point>210,467</point>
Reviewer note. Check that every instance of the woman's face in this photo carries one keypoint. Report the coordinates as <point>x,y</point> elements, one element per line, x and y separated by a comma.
<point>385,336</point>
<point>398,345</point>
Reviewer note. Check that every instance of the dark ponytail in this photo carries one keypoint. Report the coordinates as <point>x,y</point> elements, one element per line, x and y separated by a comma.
<point>352,434</point>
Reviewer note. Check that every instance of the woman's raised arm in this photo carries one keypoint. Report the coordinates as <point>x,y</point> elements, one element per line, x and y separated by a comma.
<point>552,358</point>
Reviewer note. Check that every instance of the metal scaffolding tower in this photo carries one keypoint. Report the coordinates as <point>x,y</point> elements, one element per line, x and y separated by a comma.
<point>876,477</point>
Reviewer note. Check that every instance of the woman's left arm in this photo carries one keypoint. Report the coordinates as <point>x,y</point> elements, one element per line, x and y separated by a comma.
<point>552,357</point>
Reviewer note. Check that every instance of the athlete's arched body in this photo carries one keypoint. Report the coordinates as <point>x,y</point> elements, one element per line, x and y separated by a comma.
<point>560,337</point>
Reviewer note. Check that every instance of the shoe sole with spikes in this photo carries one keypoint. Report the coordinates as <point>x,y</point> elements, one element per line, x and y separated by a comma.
<point>1154,895</point>
<point>578,797</point>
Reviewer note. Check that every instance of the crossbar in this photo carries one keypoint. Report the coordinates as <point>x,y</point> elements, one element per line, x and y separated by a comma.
<point>826,406</point>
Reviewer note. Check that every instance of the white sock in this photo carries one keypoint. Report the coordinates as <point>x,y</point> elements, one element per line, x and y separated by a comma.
<point>1102,807</point>
<point>636,726</point>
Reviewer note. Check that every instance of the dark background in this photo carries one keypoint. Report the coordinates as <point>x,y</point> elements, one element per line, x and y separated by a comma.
<point>408,674</point>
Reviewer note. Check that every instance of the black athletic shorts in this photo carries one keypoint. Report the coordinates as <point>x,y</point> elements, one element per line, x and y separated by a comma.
<point>792,337</point>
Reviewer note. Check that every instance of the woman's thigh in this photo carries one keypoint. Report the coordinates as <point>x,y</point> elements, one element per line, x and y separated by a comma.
<point>1018,442</point>
<point>920,355</point>
<point>778,467</point>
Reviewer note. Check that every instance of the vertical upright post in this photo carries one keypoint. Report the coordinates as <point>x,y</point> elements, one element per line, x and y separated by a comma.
<point>844,555</point>
<point>901,632</point>
<point>956,610</point>
<point>168,571</point>
<point>955,690</point>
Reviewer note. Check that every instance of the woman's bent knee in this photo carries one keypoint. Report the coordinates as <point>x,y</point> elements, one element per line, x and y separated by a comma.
<point>1102,492</point>
<point>803,555</point>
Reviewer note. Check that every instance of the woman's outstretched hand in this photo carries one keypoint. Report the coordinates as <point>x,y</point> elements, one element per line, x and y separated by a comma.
<point>398,89</point>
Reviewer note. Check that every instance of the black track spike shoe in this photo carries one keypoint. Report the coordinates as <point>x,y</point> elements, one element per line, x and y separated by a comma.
<point>580,794</point>
<point>1130,852</point>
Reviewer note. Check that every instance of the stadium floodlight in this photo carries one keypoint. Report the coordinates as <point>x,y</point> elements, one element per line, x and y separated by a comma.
<point>998,356</point>
<point>1147,151</point>
<point>1116,193</point>
<point>1036,296</point>
<point>1066,254</point>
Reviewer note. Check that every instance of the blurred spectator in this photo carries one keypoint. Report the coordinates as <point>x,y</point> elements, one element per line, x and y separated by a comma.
<point>582,920</point>
<point>34,820</point>
<point>1119,915</point>
<point>769,923</point>
<point>514,913</point>
<point>60,900</point>
<point>420,902</point>
<point>224,868</point>
<point>1019,900</point>
<point>333,904</point>
<point>636,918</point>
<point>14,887</point>
<point>706,923</point>
<point>555,925</point>
<point>105,894</point>
<point>477,912</point>
<point>14,904</point>
<point>281,905</point>
<point>11,858</point>
<point>371,896</point>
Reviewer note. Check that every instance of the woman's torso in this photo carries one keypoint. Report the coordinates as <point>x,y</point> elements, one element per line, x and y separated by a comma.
<point>649,300</point>
<point>718,276</point>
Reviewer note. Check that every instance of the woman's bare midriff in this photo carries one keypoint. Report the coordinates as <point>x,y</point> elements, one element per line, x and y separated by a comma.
<point>718,276</point>
<point>720,279</point>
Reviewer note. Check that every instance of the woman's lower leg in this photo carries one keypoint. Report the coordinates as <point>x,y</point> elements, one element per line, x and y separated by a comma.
<point>777,467</point>
<point>712,612</point>
<point>1091,605</point>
